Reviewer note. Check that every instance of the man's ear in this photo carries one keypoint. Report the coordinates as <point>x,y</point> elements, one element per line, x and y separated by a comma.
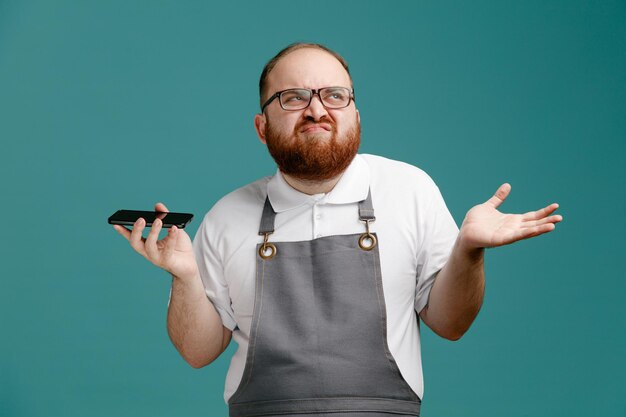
<point>259,124</point>
<point>358,116</point>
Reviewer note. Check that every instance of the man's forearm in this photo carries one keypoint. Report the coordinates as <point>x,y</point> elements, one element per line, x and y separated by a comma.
<point>193,324</point>
<point>457,294</point>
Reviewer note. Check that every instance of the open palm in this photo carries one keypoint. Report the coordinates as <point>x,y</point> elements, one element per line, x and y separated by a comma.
<point>485,227</point>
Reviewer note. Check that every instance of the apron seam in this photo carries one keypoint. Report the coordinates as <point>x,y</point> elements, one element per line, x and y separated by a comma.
<point>383,311</point>
<point>252,340</point>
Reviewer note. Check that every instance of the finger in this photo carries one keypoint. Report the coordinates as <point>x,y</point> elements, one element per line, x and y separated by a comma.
<point>161,207</point>
<point>122,231</point>
<point>136,240</point>
<point>172,239</point>
<point>552,219</point>
<point>539,214</point>
<point>538,230</point>
<point>151,241</point>
<point>500,195</point>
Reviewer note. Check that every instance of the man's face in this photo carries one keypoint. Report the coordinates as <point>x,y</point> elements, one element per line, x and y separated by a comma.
<point>315,143</point>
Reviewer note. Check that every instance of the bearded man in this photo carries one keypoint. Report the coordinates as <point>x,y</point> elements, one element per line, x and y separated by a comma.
<point>322,272</point>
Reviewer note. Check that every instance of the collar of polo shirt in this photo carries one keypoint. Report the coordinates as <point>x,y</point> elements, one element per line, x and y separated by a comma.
<point>351,188</point>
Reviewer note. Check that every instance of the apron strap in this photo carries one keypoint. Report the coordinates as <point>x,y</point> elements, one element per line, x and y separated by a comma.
<point>366,209</point>
<point>366,214</point>
<point>267,218</point>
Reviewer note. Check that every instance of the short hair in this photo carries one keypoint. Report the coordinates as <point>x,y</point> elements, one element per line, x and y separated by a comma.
<point>294,47</point>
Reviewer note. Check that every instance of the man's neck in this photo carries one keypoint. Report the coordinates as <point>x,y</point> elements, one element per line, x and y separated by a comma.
<point>312,187</point>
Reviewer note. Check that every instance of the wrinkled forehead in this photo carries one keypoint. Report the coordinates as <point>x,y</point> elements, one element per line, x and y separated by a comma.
<point>308,68</point>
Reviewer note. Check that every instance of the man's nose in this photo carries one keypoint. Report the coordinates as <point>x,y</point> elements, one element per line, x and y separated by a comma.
<point>316,109</point>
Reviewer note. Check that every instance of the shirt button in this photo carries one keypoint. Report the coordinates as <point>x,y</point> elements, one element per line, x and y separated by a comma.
<point>319,235</point>
<point>318,216</point>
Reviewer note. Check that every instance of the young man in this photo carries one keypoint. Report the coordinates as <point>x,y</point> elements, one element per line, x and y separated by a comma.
<point>320,272</point>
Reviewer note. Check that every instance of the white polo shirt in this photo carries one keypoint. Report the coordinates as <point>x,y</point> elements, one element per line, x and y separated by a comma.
<point>415,232</point>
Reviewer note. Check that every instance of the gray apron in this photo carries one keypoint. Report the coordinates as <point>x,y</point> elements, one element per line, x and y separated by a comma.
<point>318,340</point>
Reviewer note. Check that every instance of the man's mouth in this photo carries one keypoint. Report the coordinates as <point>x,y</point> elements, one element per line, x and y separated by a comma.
<point>317,127</point>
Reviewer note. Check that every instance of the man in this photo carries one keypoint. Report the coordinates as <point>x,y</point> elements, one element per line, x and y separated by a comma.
<point>318,272</point>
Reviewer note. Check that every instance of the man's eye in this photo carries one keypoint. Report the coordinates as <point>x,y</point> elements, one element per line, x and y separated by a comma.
<point>335,95</point>
<point>292,97</point>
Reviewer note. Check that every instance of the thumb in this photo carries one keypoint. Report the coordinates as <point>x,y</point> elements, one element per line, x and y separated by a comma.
<point>500,195</point>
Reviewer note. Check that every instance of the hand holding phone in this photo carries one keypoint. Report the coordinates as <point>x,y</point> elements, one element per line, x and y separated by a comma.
<point>174,253</point>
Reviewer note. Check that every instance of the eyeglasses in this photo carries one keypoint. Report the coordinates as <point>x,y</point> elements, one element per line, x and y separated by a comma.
<point>300,98</point>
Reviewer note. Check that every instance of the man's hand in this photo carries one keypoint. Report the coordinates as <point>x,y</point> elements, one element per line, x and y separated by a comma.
<point>173,253</point>
<point>485,227</point>
<point>457,294</point>
<point>193,324</point>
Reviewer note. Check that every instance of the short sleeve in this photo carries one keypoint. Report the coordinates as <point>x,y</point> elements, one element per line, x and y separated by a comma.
<point>440,233</point>
<point>211,267</point>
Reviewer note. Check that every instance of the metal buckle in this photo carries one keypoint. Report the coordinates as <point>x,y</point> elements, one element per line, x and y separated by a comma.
<point>267,250</point>
<point>367,241</point>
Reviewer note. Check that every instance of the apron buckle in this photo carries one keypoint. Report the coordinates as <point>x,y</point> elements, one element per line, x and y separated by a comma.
<point>267,250</point>
<point>367,241</point>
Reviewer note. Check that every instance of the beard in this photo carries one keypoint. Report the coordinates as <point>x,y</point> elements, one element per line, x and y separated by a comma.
<point>313,158</point>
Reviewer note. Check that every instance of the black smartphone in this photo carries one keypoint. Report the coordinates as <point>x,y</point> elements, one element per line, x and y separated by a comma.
<point>129,217</point>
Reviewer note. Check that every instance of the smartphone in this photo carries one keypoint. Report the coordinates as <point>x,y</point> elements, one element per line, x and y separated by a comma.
<point>129,217</point>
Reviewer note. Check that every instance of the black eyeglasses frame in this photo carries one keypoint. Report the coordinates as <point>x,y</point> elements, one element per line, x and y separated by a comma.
<point>313,93</point>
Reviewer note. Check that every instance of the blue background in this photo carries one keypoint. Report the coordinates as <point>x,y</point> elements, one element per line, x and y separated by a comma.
<point>120,104</point>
